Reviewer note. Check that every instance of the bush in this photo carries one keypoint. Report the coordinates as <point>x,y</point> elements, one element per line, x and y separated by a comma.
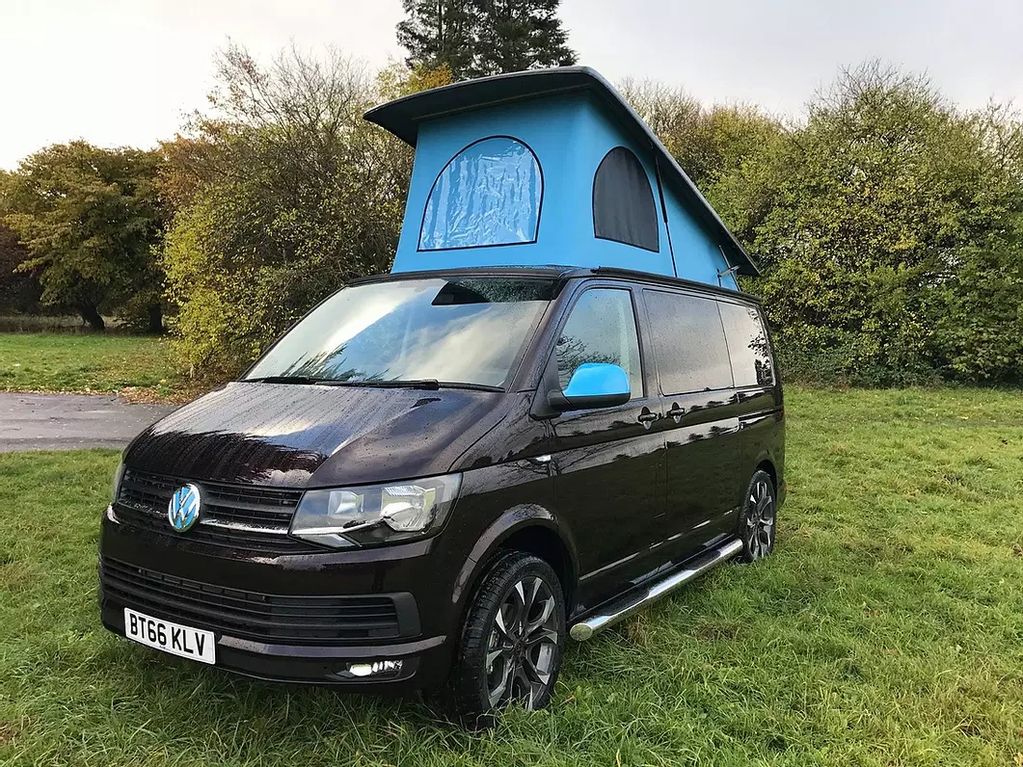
<point>283,195</point>
<point>884,227</point>
<point>979,315</point>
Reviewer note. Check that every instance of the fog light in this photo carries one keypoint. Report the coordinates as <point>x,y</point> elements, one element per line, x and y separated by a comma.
<point>376,668</point>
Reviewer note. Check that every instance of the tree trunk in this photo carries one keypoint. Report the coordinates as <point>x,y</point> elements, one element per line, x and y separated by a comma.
<point>91,316</point>
<point>156,319</point>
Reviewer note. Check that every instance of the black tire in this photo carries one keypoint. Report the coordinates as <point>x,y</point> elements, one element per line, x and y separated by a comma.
<point>472,692</point>
<point>758,521</point>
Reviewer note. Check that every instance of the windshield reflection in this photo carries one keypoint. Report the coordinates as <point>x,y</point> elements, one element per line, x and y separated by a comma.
<point>463,331</point>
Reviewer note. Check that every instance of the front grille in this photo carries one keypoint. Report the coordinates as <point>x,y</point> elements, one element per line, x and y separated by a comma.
<point>236,518</point>
<point>247,614</point>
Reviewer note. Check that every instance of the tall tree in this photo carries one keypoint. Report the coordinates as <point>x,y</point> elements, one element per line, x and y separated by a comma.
<point>438,33</point>
<point>18,291</point>
<point>475,38</point>
<point>516,35</point>
<point>90,219</point>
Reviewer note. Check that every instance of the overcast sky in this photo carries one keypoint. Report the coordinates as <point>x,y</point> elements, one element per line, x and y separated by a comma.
<point>123,72</point>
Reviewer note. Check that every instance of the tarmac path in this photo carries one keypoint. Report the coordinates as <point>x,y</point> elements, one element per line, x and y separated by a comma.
<point>71,421</point>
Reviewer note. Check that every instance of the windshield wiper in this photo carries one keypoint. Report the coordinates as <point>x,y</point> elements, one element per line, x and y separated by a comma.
<point>423,383</point>
<point>430,384</point>
<point>469,386</point>
<point>282,379</point>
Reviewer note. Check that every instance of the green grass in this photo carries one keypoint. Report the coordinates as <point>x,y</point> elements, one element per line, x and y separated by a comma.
<point>68,362</point>
<point>887,629</point>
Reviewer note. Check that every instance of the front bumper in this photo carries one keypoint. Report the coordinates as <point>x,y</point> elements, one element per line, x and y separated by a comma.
<point>259,610</point>
<point>422,660</point>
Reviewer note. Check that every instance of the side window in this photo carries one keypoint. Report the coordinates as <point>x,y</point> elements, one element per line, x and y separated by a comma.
<point>747,345</point>
<point>623,203</point>
<point>487,194</point>
<point>688,341</point>
<point>601,328</point>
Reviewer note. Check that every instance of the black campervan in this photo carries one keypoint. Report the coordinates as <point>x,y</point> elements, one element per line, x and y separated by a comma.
<point>441,474</point>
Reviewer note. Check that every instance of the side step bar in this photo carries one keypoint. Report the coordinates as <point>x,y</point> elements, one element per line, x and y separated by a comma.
<point>632,602</point>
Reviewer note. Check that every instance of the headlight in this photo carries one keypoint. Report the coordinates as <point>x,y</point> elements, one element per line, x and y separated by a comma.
<point>116,487</point>
<point>373,514</point>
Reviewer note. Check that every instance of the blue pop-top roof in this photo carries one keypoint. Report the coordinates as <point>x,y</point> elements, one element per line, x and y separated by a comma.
<point>557,165</point>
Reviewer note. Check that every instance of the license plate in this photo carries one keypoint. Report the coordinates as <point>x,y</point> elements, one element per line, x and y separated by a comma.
<point>170,637</point>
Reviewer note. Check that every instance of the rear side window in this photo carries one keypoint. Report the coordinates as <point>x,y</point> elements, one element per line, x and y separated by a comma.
<point>601,328</point>
<point>747,345</point>
<point>689,342</point>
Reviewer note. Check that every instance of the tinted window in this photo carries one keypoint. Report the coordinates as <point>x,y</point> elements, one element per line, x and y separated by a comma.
<point>747,345</point>
<point>623,204</point>
<point>488,194</point>
<point>601,328</point>
<point>458,331</point>
<point>689,343</point>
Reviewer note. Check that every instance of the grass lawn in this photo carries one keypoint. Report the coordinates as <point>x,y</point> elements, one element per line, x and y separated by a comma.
<point>70,362</point>
<point>887,629</point>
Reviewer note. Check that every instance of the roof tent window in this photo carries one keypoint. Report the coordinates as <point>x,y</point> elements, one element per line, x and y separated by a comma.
<point>623,203</point>
<point>488,194</point>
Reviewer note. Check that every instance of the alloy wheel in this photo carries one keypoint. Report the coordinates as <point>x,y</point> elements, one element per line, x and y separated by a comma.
<point>760,517</point>
<point>522,650</point>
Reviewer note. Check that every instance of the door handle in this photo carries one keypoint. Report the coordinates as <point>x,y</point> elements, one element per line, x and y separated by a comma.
<point>646,417</point>
<point>676,412</point>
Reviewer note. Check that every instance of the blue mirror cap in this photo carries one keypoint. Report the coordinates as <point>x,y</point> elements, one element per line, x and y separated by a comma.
<point>597,379</point>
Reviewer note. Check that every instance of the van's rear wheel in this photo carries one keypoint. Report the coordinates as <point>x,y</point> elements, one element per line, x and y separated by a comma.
<point>758,518</point>
<point>512,641</point>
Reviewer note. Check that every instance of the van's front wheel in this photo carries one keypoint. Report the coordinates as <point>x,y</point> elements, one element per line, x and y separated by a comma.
<point>512,641</point>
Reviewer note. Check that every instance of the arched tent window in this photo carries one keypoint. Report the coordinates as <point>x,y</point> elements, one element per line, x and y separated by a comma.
<point>623,203</point>
<point>490,193</point>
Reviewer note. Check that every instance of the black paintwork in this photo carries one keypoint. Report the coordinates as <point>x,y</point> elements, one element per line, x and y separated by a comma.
<point>612,496</point>
<point>297,435</point>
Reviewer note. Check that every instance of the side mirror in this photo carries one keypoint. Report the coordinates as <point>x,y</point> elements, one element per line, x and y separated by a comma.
<point>593,384</point>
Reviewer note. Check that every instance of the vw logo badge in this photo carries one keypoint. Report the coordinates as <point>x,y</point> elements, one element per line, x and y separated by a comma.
<point>183,509</point>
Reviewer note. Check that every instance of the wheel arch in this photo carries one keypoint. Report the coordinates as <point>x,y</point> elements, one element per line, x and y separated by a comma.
<point>528,528</point>
<point>765,463</point>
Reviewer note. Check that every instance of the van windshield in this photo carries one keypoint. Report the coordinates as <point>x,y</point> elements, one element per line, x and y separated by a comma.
<point>459,331</point>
